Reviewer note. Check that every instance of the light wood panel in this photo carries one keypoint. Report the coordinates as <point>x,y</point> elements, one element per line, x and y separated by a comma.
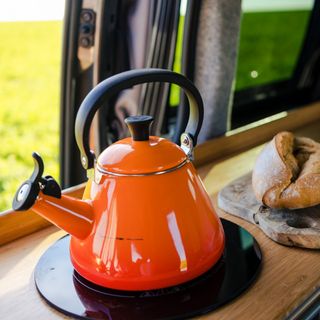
<point>19,298</point>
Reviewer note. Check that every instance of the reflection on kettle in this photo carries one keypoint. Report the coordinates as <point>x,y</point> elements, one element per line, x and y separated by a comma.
<point>146,221</point>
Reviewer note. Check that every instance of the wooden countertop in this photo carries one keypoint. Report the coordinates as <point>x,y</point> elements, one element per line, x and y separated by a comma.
<point>288,276</point>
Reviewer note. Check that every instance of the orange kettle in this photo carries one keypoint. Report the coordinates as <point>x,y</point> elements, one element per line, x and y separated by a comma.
<point>145,221</point>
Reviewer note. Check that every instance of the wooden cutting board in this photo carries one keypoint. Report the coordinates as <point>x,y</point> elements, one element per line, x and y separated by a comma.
<point>300,227</point>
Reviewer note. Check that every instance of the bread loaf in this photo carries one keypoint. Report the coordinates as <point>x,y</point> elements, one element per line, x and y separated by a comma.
<point>287,172</point>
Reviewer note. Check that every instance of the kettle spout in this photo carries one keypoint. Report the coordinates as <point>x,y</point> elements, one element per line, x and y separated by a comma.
<point>43,195</point>
<point>73,215</point>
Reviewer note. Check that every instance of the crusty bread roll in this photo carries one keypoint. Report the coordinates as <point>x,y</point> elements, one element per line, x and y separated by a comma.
<point>287,172</point>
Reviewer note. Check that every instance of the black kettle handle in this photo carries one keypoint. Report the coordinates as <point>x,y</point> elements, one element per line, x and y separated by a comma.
<point>104,90</point>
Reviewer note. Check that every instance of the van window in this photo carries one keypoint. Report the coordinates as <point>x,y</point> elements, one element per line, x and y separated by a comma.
<point>271,37</point>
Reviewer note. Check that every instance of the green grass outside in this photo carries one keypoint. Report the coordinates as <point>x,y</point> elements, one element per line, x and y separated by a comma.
<point>30,55</point>
<point>269,44</point>
<point>174,89</point>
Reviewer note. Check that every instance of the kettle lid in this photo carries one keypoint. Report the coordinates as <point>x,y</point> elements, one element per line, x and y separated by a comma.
<point>140,154</point>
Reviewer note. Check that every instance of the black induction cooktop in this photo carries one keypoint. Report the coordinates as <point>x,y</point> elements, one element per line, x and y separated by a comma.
<point>64,289</point>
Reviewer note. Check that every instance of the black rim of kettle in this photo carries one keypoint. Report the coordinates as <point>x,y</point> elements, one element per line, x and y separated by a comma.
<point>104,90</point>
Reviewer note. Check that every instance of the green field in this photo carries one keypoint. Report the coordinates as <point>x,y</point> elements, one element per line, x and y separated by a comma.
<point>29,80</point>
<point>29,101</point>
<point>273,53</point>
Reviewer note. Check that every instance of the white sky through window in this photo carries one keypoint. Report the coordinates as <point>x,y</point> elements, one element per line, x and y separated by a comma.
<point>31,10</point>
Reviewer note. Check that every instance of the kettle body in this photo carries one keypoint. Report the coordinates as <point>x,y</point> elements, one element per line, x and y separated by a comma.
<point>146,221</point>
<point>149,232</point>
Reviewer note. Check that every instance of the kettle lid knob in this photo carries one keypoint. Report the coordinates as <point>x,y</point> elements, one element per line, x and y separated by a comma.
<point>139,127</point>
